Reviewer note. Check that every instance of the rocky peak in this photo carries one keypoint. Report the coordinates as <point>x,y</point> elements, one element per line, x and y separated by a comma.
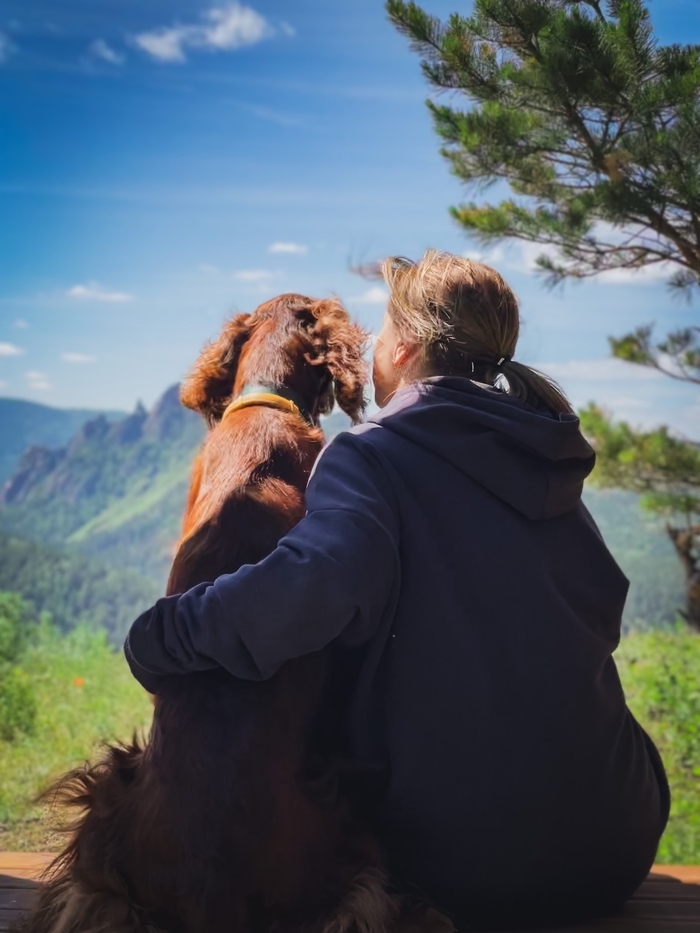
<point>168,417</point>
<point>94,430</point>
<point>129,429</point>
<point>36,463</point>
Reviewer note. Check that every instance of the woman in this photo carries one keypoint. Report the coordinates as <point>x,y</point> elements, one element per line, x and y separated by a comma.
<point>447,553</point>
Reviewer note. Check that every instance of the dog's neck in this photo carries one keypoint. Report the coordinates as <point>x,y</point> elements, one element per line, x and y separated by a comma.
<point>282,391</point>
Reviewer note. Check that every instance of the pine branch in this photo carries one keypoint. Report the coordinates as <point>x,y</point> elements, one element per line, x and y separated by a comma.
<point>681,348</point>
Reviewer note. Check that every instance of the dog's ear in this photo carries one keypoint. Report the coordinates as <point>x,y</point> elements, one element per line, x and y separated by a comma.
<point>209,386</point>
<point>339,345</point>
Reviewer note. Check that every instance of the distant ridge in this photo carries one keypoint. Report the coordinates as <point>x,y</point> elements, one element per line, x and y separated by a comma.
<point>115,491</point>
<point>24,423</point>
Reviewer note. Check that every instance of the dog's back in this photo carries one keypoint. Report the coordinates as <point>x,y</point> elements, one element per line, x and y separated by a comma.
<point>226,756</point>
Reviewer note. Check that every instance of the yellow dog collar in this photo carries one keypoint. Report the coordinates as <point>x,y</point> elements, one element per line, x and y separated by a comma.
<point>266,399</point>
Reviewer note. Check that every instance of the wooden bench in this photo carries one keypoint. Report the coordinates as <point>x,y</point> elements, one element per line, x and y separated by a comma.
<point>667,902</point>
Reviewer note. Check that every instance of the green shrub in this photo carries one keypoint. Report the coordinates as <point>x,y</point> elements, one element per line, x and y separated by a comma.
<point>16,622</point>
<point>17,704</point>
<point>660,672</point>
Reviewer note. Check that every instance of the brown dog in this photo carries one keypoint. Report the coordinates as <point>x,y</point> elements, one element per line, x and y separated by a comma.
<point>230,817</point>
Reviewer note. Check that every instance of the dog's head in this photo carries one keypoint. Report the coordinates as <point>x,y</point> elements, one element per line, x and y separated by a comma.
<point>306,345</point>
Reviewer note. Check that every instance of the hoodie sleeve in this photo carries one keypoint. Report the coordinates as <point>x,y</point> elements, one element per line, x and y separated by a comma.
<point>335,573</point>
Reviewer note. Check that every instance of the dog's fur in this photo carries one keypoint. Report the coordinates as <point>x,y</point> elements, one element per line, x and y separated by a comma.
<point>230,818</point>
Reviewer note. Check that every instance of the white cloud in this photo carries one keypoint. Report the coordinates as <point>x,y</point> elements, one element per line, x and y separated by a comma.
<point>9,349</point>
<point>622,403</point>
<point>163,44</point>
<point>38,381</point>
<point>641,413</point>
<point>376,295</point>
<point>647,275</point>
<point>636,394</point>
<point>522,257</point>
<point>601,370</point>
<point>3,384</point>
<point>93,291</point>
<point>101,49</point>
<point>234,26</point>
<point>253,275</point>
<point>492,255</point>
<point>515,256</point>
<point>225,28</point>
<point>20,324</point>
<point>297,249</point>
<point>78,358</point>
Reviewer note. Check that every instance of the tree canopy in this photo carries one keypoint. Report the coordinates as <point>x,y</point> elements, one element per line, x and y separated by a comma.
<point>594,126</point>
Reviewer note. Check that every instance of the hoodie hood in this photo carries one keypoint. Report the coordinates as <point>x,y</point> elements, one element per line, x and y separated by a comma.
<point>536,462</point>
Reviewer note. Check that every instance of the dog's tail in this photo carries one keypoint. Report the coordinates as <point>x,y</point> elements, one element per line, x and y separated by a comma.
<point>83,890</point>
<point>366,906</point>
<point>64,906</point>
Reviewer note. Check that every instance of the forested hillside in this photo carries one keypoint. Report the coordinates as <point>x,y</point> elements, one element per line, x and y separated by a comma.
<point>25,424</point>
<point>74,589</point>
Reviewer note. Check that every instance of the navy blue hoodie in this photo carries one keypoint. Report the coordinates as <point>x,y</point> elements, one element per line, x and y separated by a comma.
<point>446,546</point>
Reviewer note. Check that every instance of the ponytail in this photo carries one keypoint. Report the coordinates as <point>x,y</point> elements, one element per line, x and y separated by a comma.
<point>535,388</point>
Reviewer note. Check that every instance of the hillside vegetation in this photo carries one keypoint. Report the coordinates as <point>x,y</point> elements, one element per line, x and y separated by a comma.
<point>74,589</point>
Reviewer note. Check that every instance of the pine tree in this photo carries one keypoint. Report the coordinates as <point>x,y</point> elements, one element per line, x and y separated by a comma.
<point>666,471</point>
<point>594,126</point>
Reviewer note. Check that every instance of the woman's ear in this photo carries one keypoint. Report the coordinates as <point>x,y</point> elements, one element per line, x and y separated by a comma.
<point>405,355</point>
<point>209,386</point>
<point>340,345</point>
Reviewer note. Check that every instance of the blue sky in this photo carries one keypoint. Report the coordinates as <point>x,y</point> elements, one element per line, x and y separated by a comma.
<point>164,163</point>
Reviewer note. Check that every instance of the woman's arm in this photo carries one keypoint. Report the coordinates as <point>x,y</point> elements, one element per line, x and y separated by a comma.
<point>335,572</point>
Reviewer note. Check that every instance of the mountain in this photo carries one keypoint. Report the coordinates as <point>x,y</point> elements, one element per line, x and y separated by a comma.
<point>24,424</point>
<point>115,492</point>
<point>111,500</point>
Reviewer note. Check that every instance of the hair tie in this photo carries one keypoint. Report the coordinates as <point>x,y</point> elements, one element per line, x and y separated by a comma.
<point>486,362</point>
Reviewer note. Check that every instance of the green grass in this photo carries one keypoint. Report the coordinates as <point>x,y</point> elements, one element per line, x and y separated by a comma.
<point>660,672</point>
<point>85,694</point>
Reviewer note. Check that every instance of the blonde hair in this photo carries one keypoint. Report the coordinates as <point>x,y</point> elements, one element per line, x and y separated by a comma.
<point>466,320</point>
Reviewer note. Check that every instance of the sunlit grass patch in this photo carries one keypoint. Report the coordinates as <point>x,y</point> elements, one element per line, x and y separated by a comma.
<point>84,695</point>
<point>660,672</point>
